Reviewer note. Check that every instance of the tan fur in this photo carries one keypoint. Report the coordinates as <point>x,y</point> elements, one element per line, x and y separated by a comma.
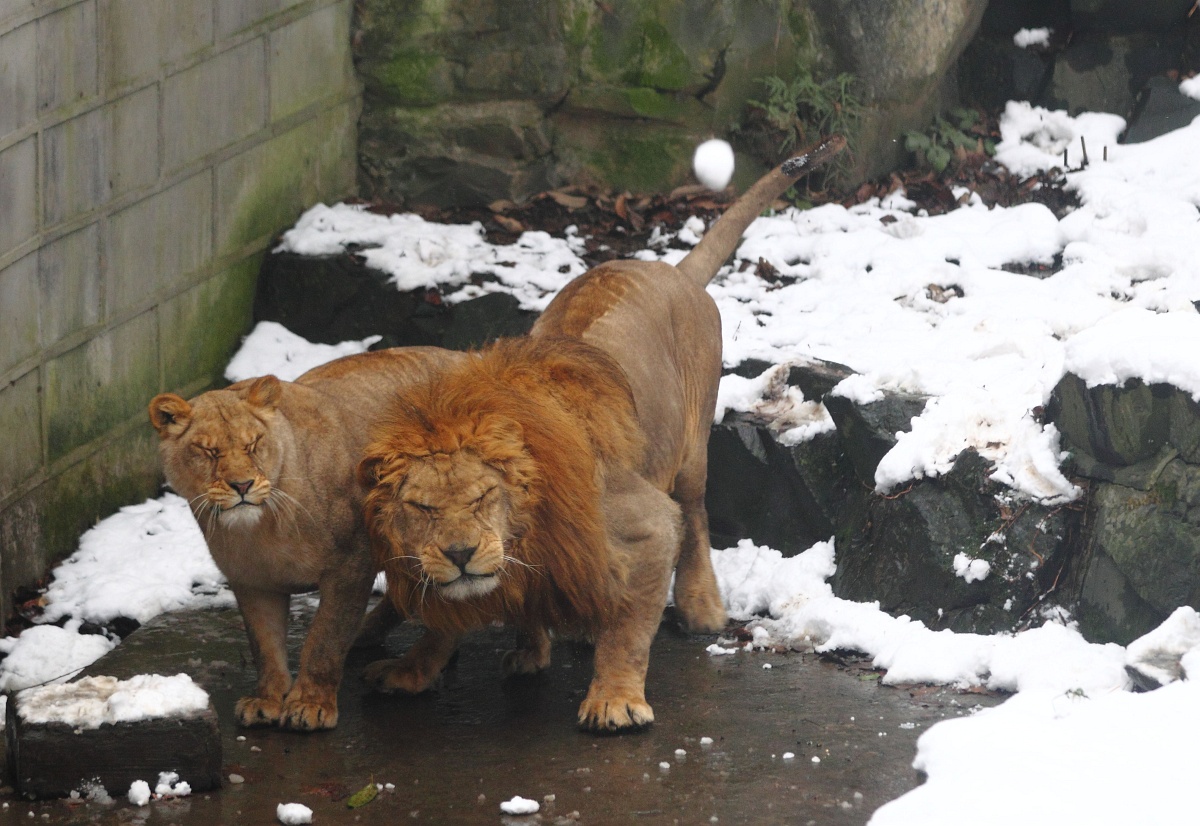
<point>506,490</point>
<point>269,470</point>
<point>660,324</point>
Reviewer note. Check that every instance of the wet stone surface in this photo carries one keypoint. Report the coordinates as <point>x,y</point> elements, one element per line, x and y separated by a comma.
<point>456,753</point>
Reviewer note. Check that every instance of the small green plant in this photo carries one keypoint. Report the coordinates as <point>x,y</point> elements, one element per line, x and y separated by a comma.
<point>945,137</point>
<point>803,110</point>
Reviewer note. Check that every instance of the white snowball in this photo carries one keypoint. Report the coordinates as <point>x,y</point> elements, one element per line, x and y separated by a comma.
<point>139,793</point>
<point>291,813</point>
<point>713,163</point>
<point>519,806</point>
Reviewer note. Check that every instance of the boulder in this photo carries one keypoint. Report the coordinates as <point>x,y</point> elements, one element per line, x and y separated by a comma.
<point>1160,108</point>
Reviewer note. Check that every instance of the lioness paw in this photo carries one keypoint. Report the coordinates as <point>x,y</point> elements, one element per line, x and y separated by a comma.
<point>614,715</point>
<point>257,711</point>
<point>395,677</point>
<point>299,715</point>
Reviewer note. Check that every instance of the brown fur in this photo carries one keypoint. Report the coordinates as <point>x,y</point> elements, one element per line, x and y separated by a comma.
<point>550,427</point>
<point>660,324</point>
<point>299,523</point>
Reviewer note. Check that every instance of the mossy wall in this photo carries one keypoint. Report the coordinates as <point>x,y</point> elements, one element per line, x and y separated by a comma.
<point>149,152</point>
<point>617,94</point>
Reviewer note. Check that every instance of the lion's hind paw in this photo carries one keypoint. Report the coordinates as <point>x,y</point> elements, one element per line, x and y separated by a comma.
<point>258,711</point>
<point>615,716</point>
<point>395,677</point>
<point>524,661</point>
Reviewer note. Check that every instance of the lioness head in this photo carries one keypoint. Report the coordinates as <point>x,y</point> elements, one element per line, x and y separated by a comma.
<point>219,451</point>
<point>449,511</point>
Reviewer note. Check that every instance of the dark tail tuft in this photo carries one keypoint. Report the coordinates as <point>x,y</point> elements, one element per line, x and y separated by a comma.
<point>797,166</point>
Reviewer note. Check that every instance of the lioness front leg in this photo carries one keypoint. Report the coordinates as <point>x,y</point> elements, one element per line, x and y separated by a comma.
<point>312,702</point>
<point>531,655</point>
<point>417,669</point>
<point>265,614</point>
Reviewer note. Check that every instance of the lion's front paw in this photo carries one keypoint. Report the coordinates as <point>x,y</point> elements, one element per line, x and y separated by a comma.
<point>396,677</point>
<point>301,714</point>
<point>615,714</point>
<point>524,661</point>
<point>258,711</point>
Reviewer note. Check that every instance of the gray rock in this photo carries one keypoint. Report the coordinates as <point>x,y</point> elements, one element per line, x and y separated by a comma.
<point>869,431</point>
<point>1161,108</point>
<point>1105,73</point>
<point>1118,426</point>
<point>1122,17</point>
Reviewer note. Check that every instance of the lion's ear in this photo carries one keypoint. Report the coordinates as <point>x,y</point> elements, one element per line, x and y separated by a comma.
<point>264,393</point>
<point>368,471</point>
<point>169,414</point>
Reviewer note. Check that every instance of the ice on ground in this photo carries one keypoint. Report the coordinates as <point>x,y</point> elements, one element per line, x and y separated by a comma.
<point>1160,654</point>
<point>293,813</point>
<point>419,254</point>
<point>94,701</point>
<point>1191,87</point>
<point>713,163</point>
<point>272,348</point>
<point>139,793</point>
<point>49,654</point>
<point>1032,37</point>
<point>1049,756</point>
<point>140,562</point>
<point>519,806</point>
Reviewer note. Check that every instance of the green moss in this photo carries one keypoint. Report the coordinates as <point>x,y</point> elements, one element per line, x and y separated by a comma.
<point>647,164</point>
<point>204,325</point>
<point>662,63</point>
<point>652,104</point>
<point>408,77</point>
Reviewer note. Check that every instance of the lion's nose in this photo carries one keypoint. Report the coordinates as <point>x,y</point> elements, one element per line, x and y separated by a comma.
<point>460,555</point>
<point>242,487</point>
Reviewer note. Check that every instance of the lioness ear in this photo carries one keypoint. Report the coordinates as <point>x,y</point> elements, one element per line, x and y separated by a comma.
<point>264,393</point>
<point>169,414</point>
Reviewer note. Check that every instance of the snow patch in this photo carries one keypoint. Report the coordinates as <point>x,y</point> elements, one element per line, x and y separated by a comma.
<point>94,701</point>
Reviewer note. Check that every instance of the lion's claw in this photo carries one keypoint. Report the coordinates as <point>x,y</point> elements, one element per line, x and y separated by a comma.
<point>615,716</point>
<point>299,715</point>
<point>258,711</point>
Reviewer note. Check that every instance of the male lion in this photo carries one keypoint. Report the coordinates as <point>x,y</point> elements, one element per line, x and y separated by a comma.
<point>506,490</point>
<point>268,467</point>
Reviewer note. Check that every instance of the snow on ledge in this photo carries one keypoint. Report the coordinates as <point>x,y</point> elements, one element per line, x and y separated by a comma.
<point>94,701</point>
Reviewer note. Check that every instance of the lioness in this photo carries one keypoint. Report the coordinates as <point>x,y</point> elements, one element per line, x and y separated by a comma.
<point>268,467</point>
<point>477,515</point>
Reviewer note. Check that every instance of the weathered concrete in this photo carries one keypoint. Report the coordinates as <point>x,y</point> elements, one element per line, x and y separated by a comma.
<point>149,151</point>
<point>455,753</point>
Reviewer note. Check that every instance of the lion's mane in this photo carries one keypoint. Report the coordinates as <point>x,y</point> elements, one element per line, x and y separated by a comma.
<point>552,415</point>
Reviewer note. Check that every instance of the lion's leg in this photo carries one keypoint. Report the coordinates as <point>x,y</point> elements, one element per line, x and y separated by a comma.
<point>417,669</point>
<point>644,528</point>
<point>531,655</point>
<point>376,624</point>
<point>265,614</point>
<point>696,593</point>
<point>312,702</point>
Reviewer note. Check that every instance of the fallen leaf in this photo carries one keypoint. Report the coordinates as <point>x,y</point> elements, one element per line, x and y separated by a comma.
<point>363,796</point>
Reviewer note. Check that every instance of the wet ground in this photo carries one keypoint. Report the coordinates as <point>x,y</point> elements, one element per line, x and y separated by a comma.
<point>456,753</point>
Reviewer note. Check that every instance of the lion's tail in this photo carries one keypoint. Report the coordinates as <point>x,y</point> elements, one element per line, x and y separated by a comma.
<point>702,263</point>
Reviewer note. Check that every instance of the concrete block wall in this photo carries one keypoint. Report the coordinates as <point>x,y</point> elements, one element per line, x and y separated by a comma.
<point>149,152</point>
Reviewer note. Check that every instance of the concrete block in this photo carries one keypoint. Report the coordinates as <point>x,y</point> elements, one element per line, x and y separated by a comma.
<point>101,384</point>
<point>20,432</point>
<point>203,327</point>
<point>140,36</point>
<point>69,283</point>
<point>73,167</point>
<point>214,104</point>
<point>310,60</point>
<point>156,243</point>
<point>264,189</point>
<point>99,155</point>
<point>235,15</point>
<point>18,79</point>
<point>49,760</point>
<point>18,311</point>
<point>131,141</point>
<point>18,194</point>
<point>67,61</point>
